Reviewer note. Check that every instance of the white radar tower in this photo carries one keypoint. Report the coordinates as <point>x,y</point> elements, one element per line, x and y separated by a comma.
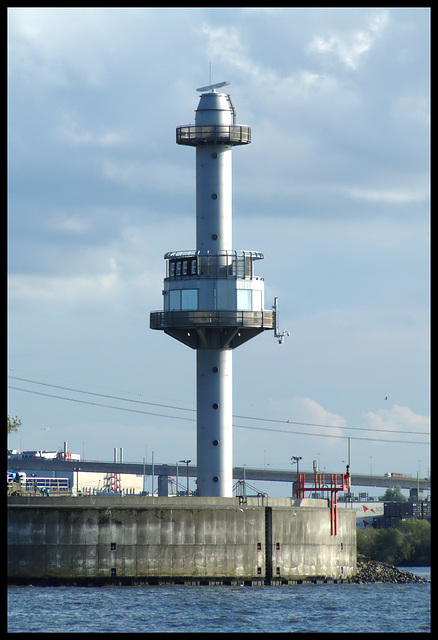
<point>212,299</point>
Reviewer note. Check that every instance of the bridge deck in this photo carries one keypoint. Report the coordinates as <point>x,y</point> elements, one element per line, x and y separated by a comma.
<point>266,475</point>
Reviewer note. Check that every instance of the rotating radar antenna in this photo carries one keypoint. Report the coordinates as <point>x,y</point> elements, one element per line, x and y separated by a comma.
<point>213,87</point>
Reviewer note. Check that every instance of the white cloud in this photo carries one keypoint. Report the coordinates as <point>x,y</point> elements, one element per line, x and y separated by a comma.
<point>350,47</point>
<point>399,418</point>
<point>51,47</point>
<point>225,44</point>
<point>68,223</point>
<point>74,135</point>
<point>66,292</point>
<point>401,195</point>
<point>150,175</point>
<point>121,273</point>
<point>306,410</point>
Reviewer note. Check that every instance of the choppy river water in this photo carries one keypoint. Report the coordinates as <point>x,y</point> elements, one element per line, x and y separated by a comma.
<point>323,608</point>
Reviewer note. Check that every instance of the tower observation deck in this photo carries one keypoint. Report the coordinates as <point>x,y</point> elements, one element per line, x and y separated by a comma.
<point>213,301</point>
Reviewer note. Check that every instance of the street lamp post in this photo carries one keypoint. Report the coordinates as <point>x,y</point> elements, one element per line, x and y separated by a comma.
<point>177,479</point>
<point>293,460</point>
<point>187,463</point>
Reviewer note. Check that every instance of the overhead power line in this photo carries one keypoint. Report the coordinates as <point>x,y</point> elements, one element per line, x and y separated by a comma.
<point>100,395</point>
<point>98,404</point>
<point>276,430</point>
<point>168,406</point>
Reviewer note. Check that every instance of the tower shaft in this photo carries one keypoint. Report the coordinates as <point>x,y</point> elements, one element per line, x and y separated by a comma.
<point>213,198</point>
<point>214,386</point>
<point>214,403</point>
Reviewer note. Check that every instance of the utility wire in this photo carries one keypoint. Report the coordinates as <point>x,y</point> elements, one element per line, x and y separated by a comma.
<point>99,404</point>
<point>326,435</point>
<point>100,395</point>
<point>335,426</point>
<point>238,426</point>
<point>166,406</point>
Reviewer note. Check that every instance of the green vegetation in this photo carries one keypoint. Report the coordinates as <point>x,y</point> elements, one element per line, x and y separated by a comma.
<point>407,544</point>
<point>394,494</point>
<point>13,424</point>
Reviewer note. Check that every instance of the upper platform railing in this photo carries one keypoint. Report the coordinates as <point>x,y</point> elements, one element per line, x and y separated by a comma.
<point>224,264</point>
<point>194,135</point>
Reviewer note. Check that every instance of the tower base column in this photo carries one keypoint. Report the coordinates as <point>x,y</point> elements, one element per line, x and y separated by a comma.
<point>214,391</point>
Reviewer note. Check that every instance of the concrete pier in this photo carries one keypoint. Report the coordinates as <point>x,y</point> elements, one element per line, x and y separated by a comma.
<point>145,540</point>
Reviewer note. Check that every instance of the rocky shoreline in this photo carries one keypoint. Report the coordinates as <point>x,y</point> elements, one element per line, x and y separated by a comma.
<point>372,571</point>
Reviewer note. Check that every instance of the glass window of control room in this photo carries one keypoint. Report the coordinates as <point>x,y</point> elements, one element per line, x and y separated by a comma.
<point>256,300</point>
<point>175,300</point>
<point>183,300</point>
<point>189,299</point>
<point>244,299</point>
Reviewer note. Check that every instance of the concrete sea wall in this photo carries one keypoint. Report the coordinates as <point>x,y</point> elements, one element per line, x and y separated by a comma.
<point>202,540</point>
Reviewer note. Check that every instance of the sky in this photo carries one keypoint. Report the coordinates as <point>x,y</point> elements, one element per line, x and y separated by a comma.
<point>334,190</point>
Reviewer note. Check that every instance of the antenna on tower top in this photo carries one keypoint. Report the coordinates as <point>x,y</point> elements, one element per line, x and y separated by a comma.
<point>212,87</point>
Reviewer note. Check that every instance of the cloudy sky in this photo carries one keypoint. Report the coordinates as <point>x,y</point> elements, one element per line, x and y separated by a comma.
<point>334,190</point>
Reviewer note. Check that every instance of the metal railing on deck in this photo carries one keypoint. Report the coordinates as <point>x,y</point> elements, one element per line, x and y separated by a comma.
<point>193,134</point>
<point>224,264</point>
<point>164,319</point>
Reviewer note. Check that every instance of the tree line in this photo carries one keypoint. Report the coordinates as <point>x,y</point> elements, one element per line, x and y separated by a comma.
<point>405,545</point>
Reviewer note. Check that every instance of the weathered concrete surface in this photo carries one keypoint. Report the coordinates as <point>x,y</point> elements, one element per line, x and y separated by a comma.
<point>65,539</point>
<point>302,545</point>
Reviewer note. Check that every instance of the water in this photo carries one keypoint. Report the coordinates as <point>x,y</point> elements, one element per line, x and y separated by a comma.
<point>323,608</point>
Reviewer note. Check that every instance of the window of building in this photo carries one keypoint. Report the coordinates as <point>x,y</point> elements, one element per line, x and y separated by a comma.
<point>172,269</point>
<point>244,299</point>
<point>184,267</point>
<point>256,300</point>
<point>178,268</point>
<point>175,300</point>
<point>189,299</point>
